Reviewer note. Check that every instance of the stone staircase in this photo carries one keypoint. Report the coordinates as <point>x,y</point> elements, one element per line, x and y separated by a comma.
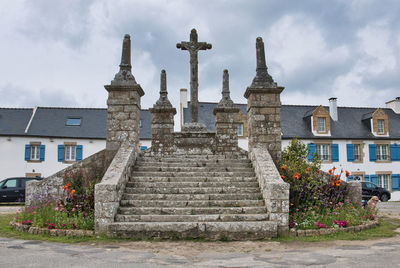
<point>206,196</point>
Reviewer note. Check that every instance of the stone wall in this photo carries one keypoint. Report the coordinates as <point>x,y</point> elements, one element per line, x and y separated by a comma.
<point>52,187</point>
<point>226,130</point>
<point>274,190</point>
<point>109,191</point>
<point>194,143</point>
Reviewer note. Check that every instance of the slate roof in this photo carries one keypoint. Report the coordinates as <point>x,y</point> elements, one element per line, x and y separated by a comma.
<point>295,123</point>
<point>51,122</point>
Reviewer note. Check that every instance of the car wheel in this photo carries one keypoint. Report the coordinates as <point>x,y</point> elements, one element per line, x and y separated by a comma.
<point>384,198</point>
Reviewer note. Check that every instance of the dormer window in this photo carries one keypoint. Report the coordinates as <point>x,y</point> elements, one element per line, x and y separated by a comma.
<point>381,126</point>
<point>73,121</point>
<point>320,121</point>
<point>321,124</point>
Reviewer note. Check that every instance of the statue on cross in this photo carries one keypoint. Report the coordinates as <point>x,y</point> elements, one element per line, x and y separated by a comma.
<point>193,46</point>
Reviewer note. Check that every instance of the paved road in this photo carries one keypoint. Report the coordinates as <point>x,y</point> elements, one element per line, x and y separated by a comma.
<point>378,253</point>
<point>371,253</point>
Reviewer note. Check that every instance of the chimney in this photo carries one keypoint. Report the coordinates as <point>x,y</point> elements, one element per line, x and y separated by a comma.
<point>394,105</point>
<point>333,109</point>
<point>183,104</point>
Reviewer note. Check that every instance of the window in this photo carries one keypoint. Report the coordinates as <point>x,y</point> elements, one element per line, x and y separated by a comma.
<point>73,121</point>
<point>35,152</point>
<point>240,129</point>
<point>321,124</point>
<point>358,177</point>
<point>323,151</point>
<point>381,126</point>
<point>356,151</point>
<point>70,153</point>
<point>382,152</point>
<point>383,180</point>
<point>10,183</point>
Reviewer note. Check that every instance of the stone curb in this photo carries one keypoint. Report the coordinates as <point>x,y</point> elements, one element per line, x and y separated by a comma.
<point>52,232</point>
<point>327,231</point>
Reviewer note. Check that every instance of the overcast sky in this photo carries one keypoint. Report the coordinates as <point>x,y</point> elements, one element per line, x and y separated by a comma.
<point>62,53</point>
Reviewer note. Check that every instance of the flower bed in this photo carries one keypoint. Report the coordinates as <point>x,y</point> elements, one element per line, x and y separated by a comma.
<point>325,231</point>
<point>74,210</point>
<point>319,201</point>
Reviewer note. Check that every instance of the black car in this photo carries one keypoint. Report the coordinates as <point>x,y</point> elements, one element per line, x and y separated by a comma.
<point>369,190</point>
<point>13,189</point>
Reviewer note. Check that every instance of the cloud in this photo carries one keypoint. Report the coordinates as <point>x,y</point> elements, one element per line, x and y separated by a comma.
<point>374,76</point>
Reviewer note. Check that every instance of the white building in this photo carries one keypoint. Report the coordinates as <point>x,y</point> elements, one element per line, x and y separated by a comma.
<point>44,140</point>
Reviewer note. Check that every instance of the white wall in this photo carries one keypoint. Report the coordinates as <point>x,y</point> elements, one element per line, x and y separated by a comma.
<point>12,156</point>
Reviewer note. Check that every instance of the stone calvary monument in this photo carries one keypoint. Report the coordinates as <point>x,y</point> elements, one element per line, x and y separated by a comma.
<point>193,183</point>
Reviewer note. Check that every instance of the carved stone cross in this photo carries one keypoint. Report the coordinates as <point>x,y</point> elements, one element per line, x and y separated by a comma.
<point>193,47</point>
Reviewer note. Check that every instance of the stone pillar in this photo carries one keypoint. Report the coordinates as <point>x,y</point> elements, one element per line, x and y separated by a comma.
<point>226,113</point>
<point>264,108</point>
<point>123,103</point>
<point>162,121</point>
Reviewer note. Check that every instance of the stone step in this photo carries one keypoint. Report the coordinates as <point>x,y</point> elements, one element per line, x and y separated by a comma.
<point>192,218</point>
<point>191,190</point>
<point>192,169</point>
<point>197,163</point>
<point>208,230</point>
<point>193,158</point>
<point>191,203</point>
<point>159,184</point>
<point>193,174</point>
<point>189,210</point>
<point>229,196</point>
<point>191,179</point>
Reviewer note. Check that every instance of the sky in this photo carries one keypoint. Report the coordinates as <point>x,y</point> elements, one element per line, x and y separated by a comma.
<point>62,53</point>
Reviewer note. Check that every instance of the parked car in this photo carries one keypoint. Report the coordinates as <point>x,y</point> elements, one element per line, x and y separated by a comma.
<point>370,189</point>
<point>13,189</point>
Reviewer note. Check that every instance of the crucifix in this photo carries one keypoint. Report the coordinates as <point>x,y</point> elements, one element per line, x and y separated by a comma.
<point>193,47</point>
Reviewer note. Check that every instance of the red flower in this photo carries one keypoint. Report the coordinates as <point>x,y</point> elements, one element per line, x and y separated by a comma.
<point>296,175</point>
<point>307,170</point>
<point>283,176</point>
<point>347,173</point>
<point>330,172</point>
<point>283,167</point>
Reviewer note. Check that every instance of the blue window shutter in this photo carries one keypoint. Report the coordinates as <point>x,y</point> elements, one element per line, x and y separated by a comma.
<point>142,148</point>
<point>27,152</point>
<point>311,151</point>
<point>335,152</point>
<point>79,152</point>
<point>396,182</point>
<point>60,153</point>
<point>372,152</point>
<point>395,152</point>
<point>367,178</point>
<point>42,150</point>
<point>350,178</point>
<point>374,179</point>
<point>350,152</point>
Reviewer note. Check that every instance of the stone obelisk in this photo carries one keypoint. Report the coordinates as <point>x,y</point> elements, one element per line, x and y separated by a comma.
<point>193,46</point>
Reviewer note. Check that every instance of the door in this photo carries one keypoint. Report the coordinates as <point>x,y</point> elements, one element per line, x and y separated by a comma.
<point>10,190</point>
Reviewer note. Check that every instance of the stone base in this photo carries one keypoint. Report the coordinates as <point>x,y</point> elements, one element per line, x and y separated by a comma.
<point>194,128</point>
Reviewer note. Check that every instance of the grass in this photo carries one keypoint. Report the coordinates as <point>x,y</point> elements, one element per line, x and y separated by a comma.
<point>386,228</point>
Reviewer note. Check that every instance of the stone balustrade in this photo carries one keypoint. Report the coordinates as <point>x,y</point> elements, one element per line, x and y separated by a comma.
<point>109,191</point>
<point>274,190</point>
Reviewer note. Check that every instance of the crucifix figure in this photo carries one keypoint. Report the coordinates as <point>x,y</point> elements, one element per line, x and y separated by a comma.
<point>193,47</point>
